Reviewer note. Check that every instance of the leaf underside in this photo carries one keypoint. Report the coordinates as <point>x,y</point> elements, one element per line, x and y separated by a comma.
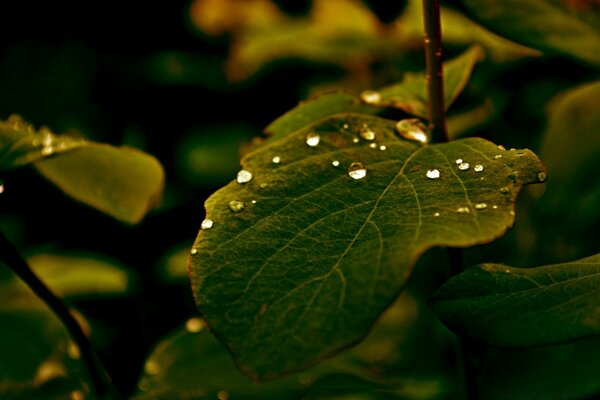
<point>307,269</point>
<point>516,307</point>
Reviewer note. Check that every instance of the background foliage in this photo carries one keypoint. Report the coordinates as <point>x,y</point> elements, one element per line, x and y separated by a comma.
<point>192,84</point>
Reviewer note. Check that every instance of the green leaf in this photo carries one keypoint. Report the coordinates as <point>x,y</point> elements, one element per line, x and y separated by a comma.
<point>410,95</point>
<point>124,183</point>
<point>543,24</point>
<point>514,307</point>
<point>306,270</point>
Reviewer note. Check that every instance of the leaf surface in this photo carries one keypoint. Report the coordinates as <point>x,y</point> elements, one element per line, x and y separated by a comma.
<point>305,270</point>
<point>122,182</point>
<point>514,307</point>
<point>543,24</point>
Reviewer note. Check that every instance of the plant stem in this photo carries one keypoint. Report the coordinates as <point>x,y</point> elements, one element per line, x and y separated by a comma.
<point>101,383</point>
<point>434,75</point>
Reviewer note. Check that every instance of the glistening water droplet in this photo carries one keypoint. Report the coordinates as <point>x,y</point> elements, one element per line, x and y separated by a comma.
<point>437,214</point>
<point>370,97</point>
<point>458,161</point>
<point>206,224</point>
<point>193,251</point>
<point>355,140</point>
<point>335,163</point>
<point>357,170</point>
<point>276,160</point>
<point>480,206</point>
<point>478,168</point>
<point>504,190</point>
<point>433,174</point>
<point>412,129</point>
<point>366,133</point>
<point>244,176</point>
<point>373,145</point>
<point>463,210</point>
<point>194,325</point>
<point>382,147</point>
<point>313,139</point>
<point>542,177</point>
<point>236,206</point>
<point>464,166</point>
<point>498,156</point>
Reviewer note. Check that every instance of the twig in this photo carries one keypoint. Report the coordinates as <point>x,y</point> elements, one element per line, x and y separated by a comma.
<point>102,385</point>
<point>434,75</point>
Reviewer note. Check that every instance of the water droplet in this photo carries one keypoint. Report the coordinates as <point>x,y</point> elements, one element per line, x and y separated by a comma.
<point>335,163</point>
<point>512,212</point>
<point>370,97</point>
<point>433,174</point>
<point>357,170</point>
<point>504,190</point>
<point>355,140</point>
<point>1,188</point>
<point>478,168</point>
<point>345,126</point>
<point>463,210</point>
<point>520,154</point>
<point>366,133</point>
<point>495,207</point>
<point>193,251</point>
<point>244,176</point>
<point>264,185</point>
<point>206,224</point>
<point>194,325</point>
<point>498,156</point>
<point>222,395</point>
<point>373,145</point>
<point>236,206</point>
<point>276,160</point>
<point>513,149</point>
<point>437,214</point>
<point>313,139</point>
<point>412,129</point>
<point>382,147</point>
<point>152,367</point>
<point>501,147</point>
<point>464,166</point>
<point>76,395</point>
<point>253,201</point>
<point>542,176</point>
<point>459,161</point>
<point>480,206</point>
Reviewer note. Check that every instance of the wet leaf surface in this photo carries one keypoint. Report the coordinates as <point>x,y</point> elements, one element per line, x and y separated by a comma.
<point>320,250</point>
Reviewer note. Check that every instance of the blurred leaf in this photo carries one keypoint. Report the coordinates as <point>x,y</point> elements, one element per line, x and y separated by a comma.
<point>568,371</point>
<point>514,307</point>
<point>182,68</point>
<point>410,95</point>
<point>192,363</point>
<point>174,266</point>
<point>122,182</point>
<point>460,125</point>
<point>570,218</point>
<point>37,357</point>
<point>542,24</point>
<point>274,276</point>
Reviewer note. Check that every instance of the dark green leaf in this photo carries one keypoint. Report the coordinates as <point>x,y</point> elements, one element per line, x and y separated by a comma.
<point>513,307</point>
<point>410,95</point>
<point>122,182</point>
<point>306,270</point>
<point>543,24</point>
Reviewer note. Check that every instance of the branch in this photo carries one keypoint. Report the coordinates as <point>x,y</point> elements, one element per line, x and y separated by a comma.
<point>102,385</point>
<point>434,73</point>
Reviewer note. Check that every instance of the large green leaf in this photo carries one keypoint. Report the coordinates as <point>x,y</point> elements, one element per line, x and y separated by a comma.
<point>303,258</point>
<point>122,182</point>
<point>410,95</point>
<point>513,307</point>
<point>543,24</point>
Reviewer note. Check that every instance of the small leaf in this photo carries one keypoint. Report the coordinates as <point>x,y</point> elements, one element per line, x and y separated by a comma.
<point>322,247</point>
<point>542,24</point>
<point>122,182</point>
<point>514,307</point>
<point>410,95</point>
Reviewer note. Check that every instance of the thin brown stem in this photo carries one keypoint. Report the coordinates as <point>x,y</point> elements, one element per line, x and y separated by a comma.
<point>434,74</point>
<point>101,383</point>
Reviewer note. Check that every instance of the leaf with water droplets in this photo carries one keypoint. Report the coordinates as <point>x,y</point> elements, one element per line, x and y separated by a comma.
<point>410,95</point>
<point>306,271</point>
<point>516,307</point>
<point>569,28</point>
<point>122,182</point>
